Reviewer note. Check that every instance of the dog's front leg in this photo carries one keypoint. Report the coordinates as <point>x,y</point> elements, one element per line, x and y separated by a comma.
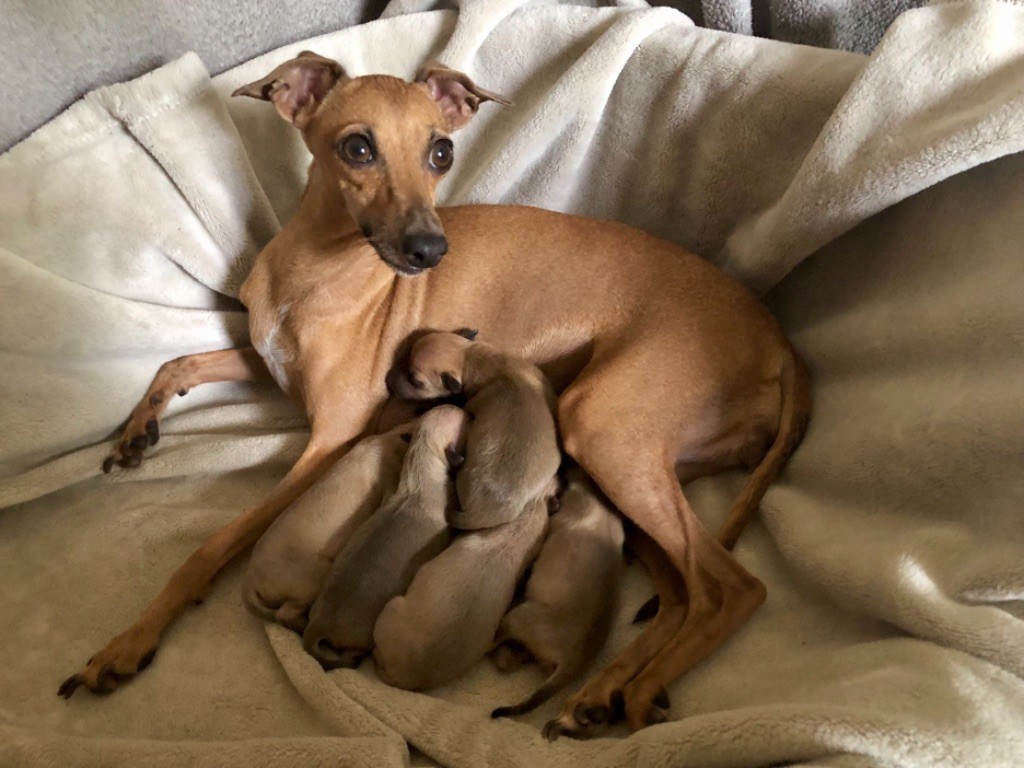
<point>178,376</point>
<point>133,649</point>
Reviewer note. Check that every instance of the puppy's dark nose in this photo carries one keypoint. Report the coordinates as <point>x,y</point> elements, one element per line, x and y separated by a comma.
<point>424,251</point>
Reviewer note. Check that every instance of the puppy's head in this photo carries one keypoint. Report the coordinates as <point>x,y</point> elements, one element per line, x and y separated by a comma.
<point>434,369</point>
<point>380,145</point>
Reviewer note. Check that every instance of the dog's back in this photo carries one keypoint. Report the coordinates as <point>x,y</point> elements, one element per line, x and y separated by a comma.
<point>447,620</point>
<point>380,560</point>
<point>571,595</point>
<point>512,453</point>
<point>291,559</point>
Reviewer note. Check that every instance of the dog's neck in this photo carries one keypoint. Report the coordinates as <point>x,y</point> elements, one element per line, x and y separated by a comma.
<point>322,208</point>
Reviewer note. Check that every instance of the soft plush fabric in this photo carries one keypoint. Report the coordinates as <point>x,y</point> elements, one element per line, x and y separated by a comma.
<point>876,201</point>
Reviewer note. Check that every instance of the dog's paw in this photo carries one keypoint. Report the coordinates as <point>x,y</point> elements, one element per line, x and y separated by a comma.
<point>585,714</point>
<point>142,432</point>
<point>125,655</point>
<point>644,704</point>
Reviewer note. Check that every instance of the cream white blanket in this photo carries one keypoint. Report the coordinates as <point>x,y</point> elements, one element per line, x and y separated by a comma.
<point>878,201</point>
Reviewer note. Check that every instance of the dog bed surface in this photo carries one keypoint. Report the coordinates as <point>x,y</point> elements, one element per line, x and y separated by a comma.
<point>876,202</point>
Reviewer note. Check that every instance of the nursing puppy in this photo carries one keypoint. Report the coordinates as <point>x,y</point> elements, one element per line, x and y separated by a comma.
<point>512,452</point>
<point>570,595</point>
<point>291,559</point>
<point>446,622</point>
<point>384,554</point>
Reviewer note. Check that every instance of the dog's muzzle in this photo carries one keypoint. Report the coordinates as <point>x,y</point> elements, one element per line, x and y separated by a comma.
<point>423,251</point>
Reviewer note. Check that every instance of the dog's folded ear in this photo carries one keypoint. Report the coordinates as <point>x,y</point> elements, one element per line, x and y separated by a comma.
<point>458,97</point>
<point>451,383</point>
<point>297,87</point>
<point>454,457</point>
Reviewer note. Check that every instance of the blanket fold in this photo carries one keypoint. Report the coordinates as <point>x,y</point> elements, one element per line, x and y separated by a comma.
<point>875,201</point>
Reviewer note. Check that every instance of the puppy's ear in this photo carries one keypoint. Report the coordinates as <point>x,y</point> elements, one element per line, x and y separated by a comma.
<point>452,384</point>
<point>458,97</point>
<point>454,457</point>
<point>297,87</point>
<point>468,333</point>
<point>406,436</point>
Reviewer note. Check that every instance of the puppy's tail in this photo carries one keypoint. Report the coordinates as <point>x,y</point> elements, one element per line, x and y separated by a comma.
<point>559,678</point>
<point>795,384</point>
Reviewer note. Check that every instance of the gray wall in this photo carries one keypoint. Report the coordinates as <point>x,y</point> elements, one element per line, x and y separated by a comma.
<point>53,52</point>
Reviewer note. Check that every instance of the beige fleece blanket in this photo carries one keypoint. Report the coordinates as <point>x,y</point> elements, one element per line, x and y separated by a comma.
<point>878,200</point>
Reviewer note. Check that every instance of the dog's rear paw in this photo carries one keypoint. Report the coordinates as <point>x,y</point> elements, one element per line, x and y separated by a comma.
<point>124,656</point>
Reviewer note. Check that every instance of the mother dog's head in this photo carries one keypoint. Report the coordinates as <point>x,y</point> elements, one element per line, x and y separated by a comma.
<point>381,143</point>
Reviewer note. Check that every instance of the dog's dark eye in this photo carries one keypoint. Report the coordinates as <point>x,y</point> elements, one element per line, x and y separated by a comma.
<point>416,382</point>
<point>441,155</point>
<point>356,149</point>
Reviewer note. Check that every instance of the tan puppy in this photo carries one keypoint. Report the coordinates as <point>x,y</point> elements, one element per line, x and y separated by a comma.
<point>572,592</point>
<point>290,560</point>
<point>446,622</point>
<point>661,360</point>
<point>512,453</point>
<point>382,557</point>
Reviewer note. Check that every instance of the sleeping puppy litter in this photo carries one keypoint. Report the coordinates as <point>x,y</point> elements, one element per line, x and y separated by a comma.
<point>382,557</point>
<point>571,593</point>
<point>446,622</point>
<point>291,559</point>
<point>512,451</point>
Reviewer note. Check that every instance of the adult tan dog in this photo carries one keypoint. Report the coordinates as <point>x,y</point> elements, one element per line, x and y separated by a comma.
<point>660,358</point>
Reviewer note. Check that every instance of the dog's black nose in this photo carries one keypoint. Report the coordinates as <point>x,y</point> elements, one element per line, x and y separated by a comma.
<point>424,251</point>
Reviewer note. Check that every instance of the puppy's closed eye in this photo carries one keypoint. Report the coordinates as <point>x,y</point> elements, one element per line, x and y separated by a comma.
<point>415,381</point>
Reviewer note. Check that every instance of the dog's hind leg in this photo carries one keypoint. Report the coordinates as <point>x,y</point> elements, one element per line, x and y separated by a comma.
<point>178,377</point>
<point>630,446</point>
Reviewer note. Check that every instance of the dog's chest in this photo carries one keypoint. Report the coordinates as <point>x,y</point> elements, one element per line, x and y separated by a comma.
<point>269,338</point>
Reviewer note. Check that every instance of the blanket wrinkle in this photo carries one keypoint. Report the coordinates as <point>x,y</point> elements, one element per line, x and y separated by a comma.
<point>875,200</point>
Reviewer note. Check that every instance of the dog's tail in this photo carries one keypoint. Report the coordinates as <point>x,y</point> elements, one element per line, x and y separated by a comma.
<point>559,678</point>
<point>795,384</point>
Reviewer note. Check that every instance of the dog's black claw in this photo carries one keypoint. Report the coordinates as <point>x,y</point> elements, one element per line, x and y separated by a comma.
<point>647,611</point>
<point>655,716</point>
<point>661,699</point>
<point>182,392</point>
<point>147,660</point>
<point>617,710</point>
<point>153,431</point>
<point>551,730</point>
<point>598,714</point>
<point>131,460</point>
<point>108,464</point>
<point>580,714</point>
<point>69,686</point>
<point>139,443</point>
<point>107,679</point>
